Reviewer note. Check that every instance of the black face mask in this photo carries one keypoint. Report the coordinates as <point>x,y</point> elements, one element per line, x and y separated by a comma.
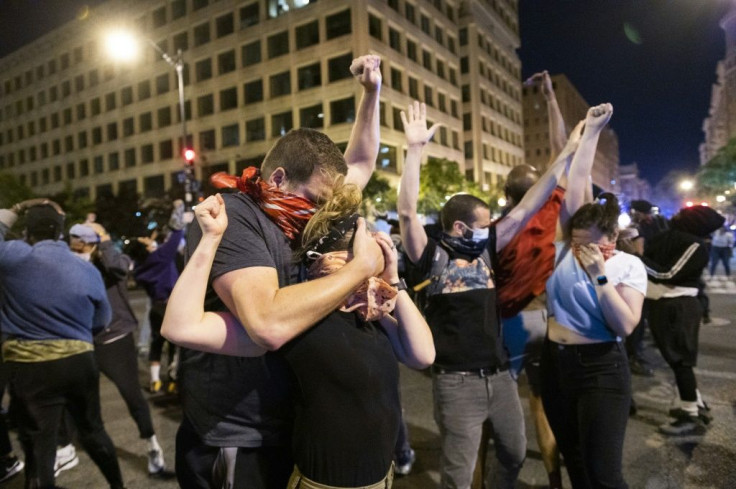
<point>465,246</point>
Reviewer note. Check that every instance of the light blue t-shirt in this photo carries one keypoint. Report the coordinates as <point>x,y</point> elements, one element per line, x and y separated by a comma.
<point>571,295</point>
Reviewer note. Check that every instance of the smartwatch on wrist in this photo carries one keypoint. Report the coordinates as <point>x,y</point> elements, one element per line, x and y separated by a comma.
<point>601,279</point>
<point>400,285</point>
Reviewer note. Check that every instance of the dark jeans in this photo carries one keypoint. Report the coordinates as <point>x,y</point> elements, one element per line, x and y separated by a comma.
<point>675,325</point>
<point>156,319</point>
<point>586,391</point>
<point>41,391</point>
<point>255,468</point>
<point>720,254</point>
<point>119,362</point>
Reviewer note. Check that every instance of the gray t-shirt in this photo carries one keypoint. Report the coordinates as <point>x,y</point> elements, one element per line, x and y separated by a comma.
<point>232,401</point>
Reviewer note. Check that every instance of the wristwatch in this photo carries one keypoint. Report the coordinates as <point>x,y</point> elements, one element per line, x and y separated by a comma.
<point>400,285</point>
<point>601,279</point>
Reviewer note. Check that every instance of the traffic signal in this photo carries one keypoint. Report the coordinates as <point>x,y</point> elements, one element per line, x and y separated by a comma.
<point>189,156</point>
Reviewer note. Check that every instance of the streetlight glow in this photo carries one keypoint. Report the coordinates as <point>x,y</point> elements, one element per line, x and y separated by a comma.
<point>501,202</point>
<point>720,198</point>
<point>686,185</point>
<point>122,45</point>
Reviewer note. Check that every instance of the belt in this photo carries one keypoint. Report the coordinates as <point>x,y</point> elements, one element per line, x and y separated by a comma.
<point>473,372</point>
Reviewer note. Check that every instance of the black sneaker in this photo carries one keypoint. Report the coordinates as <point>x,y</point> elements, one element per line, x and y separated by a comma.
<point>10,466</point>
<point>706,418</point>
<point>684,425</point>
<point>638,367</point>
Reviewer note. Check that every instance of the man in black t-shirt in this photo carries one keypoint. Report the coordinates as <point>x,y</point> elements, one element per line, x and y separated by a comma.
<point>238,410</point>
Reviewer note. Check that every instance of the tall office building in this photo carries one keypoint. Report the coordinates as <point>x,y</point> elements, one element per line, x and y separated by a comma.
<point>720,125</point>
<point>573,108</point>
<point>70,115</point>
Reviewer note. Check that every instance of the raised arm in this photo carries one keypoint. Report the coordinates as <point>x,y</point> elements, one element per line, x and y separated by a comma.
<point>557,130</point>
<point>185,322</point>
<point>111,262</point>
<point>362,149</point>
<point>408,331</point>
<point>582,164</point>
<point>418,135</point>
<point>272,316</point>
<point>537,195</point>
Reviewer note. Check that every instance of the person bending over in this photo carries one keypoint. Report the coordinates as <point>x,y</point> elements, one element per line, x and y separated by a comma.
<point>346,378</point>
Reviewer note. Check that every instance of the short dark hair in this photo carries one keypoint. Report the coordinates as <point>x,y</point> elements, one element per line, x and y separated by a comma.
<point>519,180</point>
<point>300,152</point>
<point>460,207</point>
<point>43,222</point>
<point>603,214</point>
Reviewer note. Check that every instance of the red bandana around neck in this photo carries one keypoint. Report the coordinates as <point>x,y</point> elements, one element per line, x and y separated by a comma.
<point>288,211</point>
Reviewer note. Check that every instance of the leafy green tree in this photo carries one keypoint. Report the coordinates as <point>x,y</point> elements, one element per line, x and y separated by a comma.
<point>439,180</point>
<point>378,195</point>
<point>75,205</point>
<point>12,191</point>
<point>719,173</point>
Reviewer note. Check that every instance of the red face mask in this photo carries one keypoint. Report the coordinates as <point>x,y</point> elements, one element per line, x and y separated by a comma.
<point>607,250</point>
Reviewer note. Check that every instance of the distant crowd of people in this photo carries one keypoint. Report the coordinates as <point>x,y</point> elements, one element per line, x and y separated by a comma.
<point>285,326</point>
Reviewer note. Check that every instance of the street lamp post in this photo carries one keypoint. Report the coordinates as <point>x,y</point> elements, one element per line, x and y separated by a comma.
<point>126,41</point>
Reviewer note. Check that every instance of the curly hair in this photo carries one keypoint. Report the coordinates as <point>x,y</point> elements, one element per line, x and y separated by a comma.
<point>346,199</point>
<point>603,214</point>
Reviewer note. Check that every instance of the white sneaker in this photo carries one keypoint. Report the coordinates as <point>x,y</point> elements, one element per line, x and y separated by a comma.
<point>66,458</point>
<point>156,462</point>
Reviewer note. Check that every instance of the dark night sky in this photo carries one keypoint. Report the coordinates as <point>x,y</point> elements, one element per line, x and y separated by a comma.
<point>660,88</point>
<point>658,77</point>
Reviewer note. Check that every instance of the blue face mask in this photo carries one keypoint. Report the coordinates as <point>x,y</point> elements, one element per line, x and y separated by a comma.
<point>472,243</point>
<point>476,235</point>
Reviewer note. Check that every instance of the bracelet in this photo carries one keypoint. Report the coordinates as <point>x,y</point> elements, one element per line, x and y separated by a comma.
<point>602,280</point>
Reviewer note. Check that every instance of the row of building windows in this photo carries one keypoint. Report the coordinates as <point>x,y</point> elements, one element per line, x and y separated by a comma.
<point>276,45</point>
<point>340,111</point>
<point>304,35</point>
<point>490,127</point>
<point>375,29</point>
<point>494,103</point>
<point>279,84</point>
<point>410,12</point>
<point>492,76</point>
<point>485,43</point>
<point>250,14</point>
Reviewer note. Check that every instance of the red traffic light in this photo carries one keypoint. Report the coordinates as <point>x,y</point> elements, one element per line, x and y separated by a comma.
<point>189,155</point>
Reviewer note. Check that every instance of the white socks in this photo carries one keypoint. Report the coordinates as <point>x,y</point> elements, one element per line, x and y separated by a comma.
<point>153,443</point>
<point>155,373</point>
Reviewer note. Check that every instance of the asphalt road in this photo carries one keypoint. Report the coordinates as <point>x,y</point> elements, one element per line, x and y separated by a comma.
<point>651,461</point>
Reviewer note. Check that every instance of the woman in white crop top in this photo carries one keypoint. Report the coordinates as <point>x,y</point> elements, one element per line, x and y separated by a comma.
<point>595,297</point>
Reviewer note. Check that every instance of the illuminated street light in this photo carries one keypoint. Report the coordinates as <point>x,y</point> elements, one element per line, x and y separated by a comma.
<point>123,45</point>
<point>686,185</point>
<point>720,198</point>
<point>501,202</point>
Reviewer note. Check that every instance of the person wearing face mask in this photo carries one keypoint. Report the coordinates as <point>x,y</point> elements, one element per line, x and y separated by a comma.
<point>347,359</point>
<point>115,349</point>
<point>470,377</point>
<point>594,300</point>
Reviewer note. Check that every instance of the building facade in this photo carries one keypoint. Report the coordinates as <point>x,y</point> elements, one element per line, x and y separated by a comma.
<point>720,125</point>
<point>631,185</point>
<point>573,108</point>
<point>71,116</point>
